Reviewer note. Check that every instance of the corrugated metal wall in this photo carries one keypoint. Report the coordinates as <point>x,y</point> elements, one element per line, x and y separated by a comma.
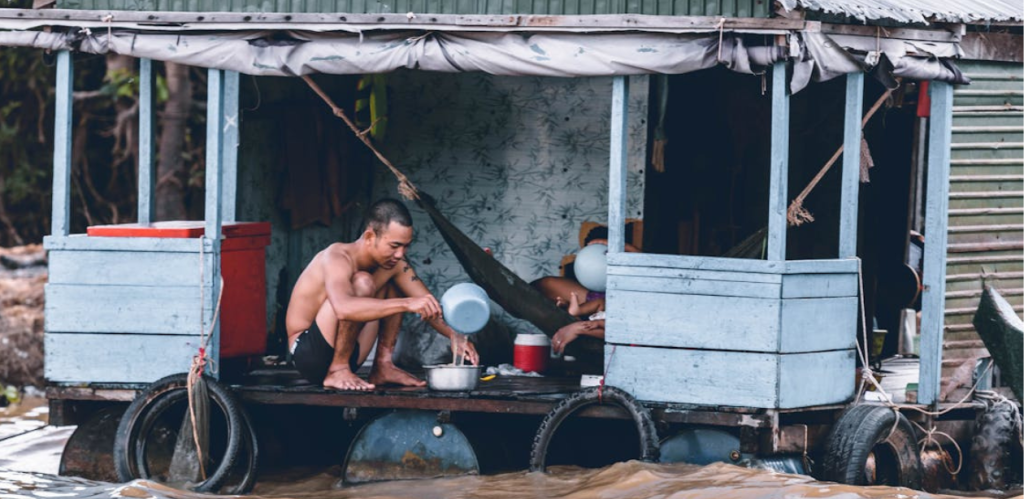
<point>728,8</point>
<point>986,200</point>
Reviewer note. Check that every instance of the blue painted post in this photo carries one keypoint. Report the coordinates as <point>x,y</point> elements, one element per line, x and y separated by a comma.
<point>147,187</point>
<point>779,177</point>
<point>61,224</point>
<point>617,166</point>
<point>232,124</point>
<point>933,301</point>
<point>214,186</point>
<point>851,165</point>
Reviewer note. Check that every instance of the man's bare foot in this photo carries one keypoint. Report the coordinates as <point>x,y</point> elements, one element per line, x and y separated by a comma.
<point>383,374</point>
<point>344,379</point>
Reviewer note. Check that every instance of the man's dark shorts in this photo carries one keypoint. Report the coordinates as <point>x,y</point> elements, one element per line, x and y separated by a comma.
<point>313,355</point>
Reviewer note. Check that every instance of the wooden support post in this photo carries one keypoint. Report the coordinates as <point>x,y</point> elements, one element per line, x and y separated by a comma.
<point>214,198</point>
<point>851,165</point>
<point>147,187</point>
<point>232,127</point>
<point>61,224</point>
<point>933,301</point>
<point>779,176</point>
<point>617,165</point>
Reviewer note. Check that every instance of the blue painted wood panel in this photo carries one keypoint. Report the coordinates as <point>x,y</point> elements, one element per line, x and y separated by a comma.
<point>818,324</point>
<point>122,358</point>
<point>123,268</point>
<point>819,285</point>
<point>693,321</point>
<point>687,286</point>
<point>819,378</point>
<point>680,273</point>
<point>736,379</point>
<point>123,309</point>
<point>61,212</point>
<point>741,305</point>
<point>86,243</point>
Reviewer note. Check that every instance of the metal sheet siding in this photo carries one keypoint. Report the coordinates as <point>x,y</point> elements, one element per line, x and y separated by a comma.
<point>986,200</point>
<point>726,8</point>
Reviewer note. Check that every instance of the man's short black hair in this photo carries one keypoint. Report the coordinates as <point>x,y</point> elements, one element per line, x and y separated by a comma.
<point>383,212</point>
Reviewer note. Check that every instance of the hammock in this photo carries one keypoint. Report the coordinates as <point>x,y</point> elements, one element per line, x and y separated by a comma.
<point>503,286</point>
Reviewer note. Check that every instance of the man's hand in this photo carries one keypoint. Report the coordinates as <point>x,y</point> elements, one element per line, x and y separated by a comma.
<point>462,346</point>
<point>426,306</point>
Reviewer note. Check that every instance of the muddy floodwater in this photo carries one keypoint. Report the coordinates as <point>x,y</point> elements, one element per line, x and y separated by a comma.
<point>30,455</point>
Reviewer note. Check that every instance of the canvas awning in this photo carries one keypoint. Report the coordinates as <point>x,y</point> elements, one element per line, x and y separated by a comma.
<point>817,56</point>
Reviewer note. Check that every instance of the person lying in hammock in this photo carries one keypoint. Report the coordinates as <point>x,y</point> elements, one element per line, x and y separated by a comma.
<point>568,293</point>
<point>349,293</point>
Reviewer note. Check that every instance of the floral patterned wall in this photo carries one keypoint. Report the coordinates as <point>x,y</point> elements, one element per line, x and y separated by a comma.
<point>517,163</point>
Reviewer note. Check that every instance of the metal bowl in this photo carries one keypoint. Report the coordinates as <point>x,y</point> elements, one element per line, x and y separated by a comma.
<point>453,378</point>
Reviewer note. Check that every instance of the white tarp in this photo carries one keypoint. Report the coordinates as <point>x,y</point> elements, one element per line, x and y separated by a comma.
<point>818,57</point>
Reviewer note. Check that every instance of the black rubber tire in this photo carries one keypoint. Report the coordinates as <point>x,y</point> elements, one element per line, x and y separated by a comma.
<point>864,430</point>
<point>994,462</point>
<point>155,399</point>
<point>649,442</point>
<point>251,466</point>
<point>248,465</point>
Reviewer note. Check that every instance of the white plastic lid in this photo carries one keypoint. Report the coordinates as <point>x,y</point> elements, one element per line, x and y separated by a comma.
<point>533,340</point>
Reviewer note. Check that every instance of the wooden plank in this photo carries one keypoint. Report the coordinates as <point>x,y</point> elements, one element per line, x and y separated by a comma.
<point>695,263</point>
<point>778,199</point>
<point>61,223</point>
<point>435,21</point>
<point>819,285</point>
<point>818,324</point>
<point>694,376</point>
<point>694,286</point>
<point>818,378</point>
<point>147,187</point>
<point>677,273</point>
<point>122,358</point>
<point>114,268</point>
<point>851,166</point>
<point>617,165</point>
<point>214,205</point>
<point>841,266</point>
<point>739,265</point>
<point>82,242</point>
<point>231,128</point>
<point>693,321</point>
<point>936,213</point>
<point>123,309</point>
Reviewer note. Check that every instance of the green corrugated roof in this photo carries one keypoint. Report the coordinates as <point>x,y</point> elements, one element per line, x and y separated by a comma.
<point>726,8</point>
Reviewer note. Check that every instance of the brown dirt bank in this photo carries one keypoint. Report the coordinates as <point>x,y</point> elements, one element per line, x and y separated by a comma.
<point>21,315</point>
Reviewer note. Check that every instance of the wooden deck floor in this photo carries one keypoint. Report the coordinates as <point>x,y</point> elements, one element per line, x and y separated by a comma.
<point>502,395</point>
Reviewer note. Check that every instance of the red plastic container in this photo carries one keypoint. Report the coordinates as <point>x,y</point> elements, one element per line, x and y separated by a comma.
<point>531,352</point>
<point>243,311</point>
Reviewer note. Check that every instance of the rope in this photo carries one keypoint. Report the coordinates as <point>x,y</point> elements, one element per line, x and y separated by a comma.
<point>608,365</point>
<point>868,376</point>
<point>199,361</point>
<point>796,215</point>
<point>721,36</point>
<point>405,187</point>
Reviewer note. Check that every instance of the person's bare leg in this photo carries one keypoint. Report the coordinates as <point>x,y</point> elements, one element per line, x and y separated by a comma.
<point>559,289</point>
<point>384,368</point>
<point>340,375</point>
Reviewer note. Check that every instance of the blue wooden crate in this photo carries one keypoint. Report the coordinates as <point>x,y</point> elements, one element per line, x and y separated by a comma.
<point>716,331</point>
<point>125,310</point>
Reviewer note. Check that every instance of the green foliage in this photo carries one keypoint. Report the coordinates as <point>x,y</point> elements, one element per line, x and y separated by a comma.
<point>121,83</point>
<point>26,85</point>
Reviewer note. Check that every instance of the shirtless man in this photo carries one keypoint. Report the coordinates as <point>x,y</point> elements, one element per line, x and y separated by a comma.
<point>352,291</point>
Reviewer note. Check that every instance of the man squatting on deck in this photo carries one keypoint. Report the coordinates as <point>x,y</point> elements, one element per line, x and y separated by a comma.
<point>351,291</point>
